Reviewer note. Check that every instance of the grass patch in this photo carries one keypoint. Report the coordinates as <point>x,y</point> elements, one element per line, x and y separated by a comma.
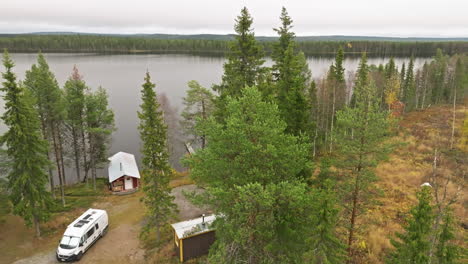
<point>80,195</point>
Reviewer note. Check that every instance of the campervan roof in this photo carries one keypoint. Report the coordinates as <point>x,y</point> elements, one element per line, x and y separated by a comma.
<point>78,227</point>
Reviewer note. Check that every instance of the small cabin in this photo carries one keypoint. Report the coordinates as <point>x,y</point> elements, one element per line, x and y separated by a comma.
<point>193,238</point>
<point>123,173</point>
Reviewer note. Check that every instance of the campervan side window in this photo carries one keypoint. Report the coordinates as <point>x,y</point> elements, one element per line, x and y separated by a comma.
<point>97,226</point>
<point>90,232</point>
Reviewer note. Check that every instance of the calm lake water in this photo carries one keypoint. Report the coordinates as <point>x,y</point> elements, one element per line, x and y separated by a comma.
<point>122,77</point>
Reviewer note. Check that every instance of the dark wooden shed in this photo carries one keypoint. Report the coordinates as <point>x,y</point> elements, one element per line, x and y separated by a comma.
<point>193,238</point>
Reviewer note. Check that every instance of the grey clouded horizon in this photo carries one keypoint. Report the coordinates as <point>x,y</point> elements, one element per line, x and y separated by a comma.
<point>396,18</point>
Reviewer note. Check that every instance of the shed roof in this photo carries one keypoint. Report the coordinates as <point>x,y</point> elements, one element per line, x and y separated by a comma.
<point>193,226</point>
<point>121,164</point>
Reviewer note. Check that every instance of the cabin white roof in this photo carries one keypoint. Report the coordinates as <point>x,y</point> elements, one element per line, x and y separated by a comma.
<point>78,231</point>
<point>193,226</point>
<point>121,164</point>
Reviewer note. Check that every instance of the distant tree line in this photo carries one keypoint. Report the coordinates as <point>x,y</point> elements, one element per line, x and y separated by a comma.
<point>135,44</point>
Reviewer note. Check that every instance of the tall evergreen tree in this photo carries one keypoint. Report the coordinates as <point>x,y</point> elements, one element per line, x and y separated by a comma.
<point>244,63</point>
<point>447,252</point>
<point>412,246</point>
<point>99,126</point>
<point>49,104</point>
<point>156,169</point>
<point>286,37</point>
<point>360,133</point>
<point>325,246</point>
<point>199,106</point>
<point>440,91</point>
<point>74,96</point>
<point>409,87</point>
<point>461,79</point>
<point>26,149</point>
<point>362,79</point>
<point>292,78</point>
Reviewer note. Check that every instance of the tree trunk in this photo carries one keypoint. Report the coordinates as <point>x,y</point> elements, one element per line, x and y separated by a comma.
<point>77,153</point>
<point>83,142</point>
<point>353,217</point>
<point>36,226</point>
<point>332,119</point>
<point>204,119</point>
<point>453,119</point>
<point>57,160</point>
<point>59,134</point>
<point>51,174</point>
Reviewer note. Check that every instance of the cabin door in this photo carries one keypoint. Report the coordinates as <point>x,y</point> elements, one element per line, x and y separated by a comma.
<point>135,182</point>
<point>128,183</point>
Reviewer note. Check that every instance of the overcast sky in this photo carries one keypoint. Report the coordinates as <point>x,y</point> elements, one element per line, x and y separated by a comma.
<point>404,18</point>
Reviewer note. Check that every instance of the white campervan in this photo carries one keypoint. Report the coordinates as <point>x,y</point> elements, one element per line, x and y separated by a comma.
<point>81,234</point>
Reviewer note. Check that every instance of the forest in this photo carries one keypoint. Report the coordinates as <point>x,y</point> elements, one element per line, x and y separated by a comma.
<point>205,45</point>
<point>288,163</point>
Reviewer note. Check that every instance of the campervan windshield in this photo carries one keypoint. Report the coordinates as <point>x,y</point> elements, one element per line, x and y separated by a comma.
<point>69,242</point>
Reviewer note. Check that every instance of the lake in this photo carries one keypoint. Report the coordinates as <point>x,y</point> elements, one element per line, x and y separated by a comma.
<point>122,77</point>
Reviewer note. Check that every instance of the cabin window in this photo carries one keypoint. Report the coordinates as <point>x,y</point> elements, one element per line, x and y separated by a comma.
<point>97,226</point>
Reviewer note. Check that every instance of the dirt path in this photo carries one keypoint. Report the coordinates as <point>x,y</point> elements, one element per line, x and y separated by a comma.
<point>121,244</point>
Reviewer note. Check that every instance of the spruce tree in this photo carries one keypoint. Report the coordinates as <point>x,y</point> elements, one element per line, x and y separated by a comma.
<point>292,78</point>
<point>325,246</point>
<point>26,149</point>
<point>413,245</point>
<point>409,87</point>
<point>286,37</point>
<point>244,63</point>
<point>461,79</point>
<point>447,252</point>
<point>156,170</point>
<point>362,79</point>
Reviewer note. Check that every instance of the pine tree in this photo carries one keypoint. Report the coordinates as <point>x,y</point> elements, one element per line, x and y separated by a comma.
<point>74,96</point>
<point>27,151</point>
<point>49,104</point>
<point>156,170</point>
<point>412,246</point>
<point>252,161</point>
<point>325,247</point>
<point>244,63</point>
<point>198,108</point>
<point>98,127</point>
<point>360,133</point>
<point>251,148</point>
